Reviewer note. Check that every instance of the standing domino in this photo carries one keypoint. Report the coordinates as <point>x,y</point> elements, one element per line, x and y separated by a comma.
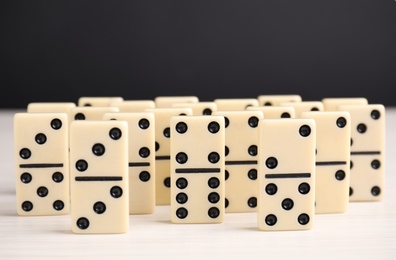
<point>168,101</point>
<point>333,133</point>
<point>42,163</point>
<point>91,113</point>
<point>367,151</point>
<point>141,153</point>
<point>286,174</point>
<point>162,118</point>
<point>275,100</point>
<point>99,176</point>
<point>133,105</point>
<point>197,169</point>
<point>273,112</point>
<point>199,108</point>
<point>304,106</point>
<point>241,140</point>
<point>235,103</point>
<point>93,101</point>
<point>332,103</point>
<point>51,107</point>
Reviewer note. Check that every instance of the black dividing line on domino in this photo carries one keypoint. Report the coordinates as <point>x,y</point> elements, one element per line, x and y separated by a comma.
<point>99,178</point>
<point>366,153</point>
<point>197,170</point>
<point>246,162</point>
<point>41,165</point>
<point>287,175</point>
<point>330,163</point>
<point>138,164</point>
<point>163,157</point>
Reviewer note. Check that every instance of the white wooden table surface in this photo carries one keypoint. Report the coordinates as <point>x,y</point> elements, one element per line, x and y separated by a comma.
<point>366,231</point>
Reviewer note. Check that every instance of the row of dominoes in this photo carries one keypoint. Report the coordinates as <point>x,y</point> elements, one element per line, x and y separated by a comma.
<point>277,155</point>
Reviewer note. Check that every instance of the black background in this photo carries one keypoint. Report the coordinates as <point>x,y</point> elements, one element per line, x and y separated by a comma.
<point>61,50</point>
